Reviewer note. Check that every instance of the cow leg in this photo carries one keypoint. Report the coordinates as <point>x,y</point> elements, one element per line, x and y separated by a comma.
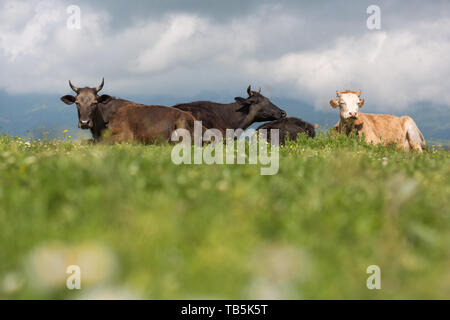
<point>119,134</point>
<point>113,139</point>
<point>414,137</point>
<point>370,137</point>
<point>119,138</point>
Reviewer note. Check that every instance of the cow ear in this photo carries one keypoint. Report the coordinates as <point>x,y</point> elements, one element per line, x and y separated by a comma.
<point>104,98</point>
<point>244,104</point>
<point>68,99</point>
<point>334,103</point>
<point>361,102</point>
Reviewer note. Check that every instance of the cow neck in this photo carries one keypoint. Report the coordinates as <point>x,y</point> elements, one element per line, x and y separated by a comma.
<point>98,126</point>
<point>103,115</point>
<point>241,120</point>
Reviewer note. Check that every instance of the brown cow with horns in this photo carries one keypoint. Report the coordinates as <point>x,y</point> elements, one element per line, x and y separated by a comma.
<point>126,120</point>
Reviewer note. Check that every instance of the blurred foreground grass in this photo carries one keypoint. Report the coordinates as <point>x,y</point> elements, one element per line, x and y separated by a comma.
<point>142,227</point>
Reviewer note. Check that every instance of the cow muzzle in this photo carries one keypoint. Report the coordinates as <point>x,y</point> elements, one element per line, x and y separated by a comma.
<point>352,115</point>
<point>84,124</point>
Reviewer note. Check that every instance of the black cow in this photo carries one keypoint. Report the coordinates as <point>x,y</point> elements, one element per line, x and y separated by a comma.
<point>290,127</point>
<point>240,114</point>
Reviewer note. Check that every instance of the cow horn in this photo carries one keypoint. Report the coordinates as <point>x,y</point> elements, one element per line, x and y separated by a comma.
<point>100,87</point>
<point>358,93</point>
<point>338,93</point>
<point>249,90</point>
<point>73,87</point>
<point>259,90</point>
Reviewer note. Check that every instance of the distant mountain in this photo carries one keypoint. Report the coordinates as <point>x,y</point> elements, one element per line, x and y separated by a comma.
<point>31,115</point>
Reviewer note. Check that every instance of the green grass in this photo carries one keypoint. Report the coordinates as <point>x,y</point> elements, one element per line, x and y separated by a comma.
<point>140,226</point>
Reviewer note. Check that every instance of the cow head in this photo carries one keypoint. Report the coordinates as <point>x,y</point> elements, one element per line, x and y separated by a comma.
<point>87,101</point>
<point>258,107</point>
<point>349,103</point>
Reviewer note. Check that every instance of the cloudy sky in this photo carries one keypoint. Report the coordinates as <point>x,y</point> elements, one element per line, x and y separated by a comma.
<point>303,50</point>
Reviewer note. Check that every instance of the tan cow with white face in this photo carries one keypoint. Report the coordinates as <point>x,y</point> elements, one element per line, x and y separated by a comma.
<point>377,128</point>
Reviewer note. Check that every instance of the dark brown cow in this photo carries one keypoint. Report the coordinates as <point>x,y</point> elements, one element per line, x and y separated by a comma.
<point>289,127</point>
<point>126,120</point>
<point>238,115</point>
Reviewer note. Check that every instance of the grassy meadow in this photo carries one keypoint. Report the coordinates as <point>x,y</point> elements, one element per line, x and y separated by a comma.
<point>141,227</point>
